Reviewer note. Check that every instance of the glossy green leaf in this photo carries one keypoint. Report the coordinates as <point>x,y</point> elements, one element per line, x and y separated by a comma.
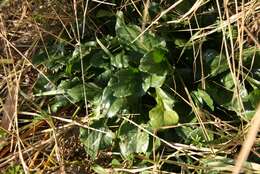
<point>153,80</point>
<point>127,82</point>
<point>115,163</point>
<point>225,164</point>
<point>100,60</point>
<point>154,62</point>
<point>51,92</point>
<point>163,114</point>
<point>209,55</point>
<point>218,65</point>
<point>69,83</point>
<point>120,60</point>
<point>255,80</point>
<point>254,98</point>
<point>250,54</point>
<point>94,141</point>
<point>204,96</point>
<point>170,117</point>
<point>103,78</point>
<point>128,33</point>
<point>224,97</point>
<point>160,117</point>
<point>219,94</point>
<point>42,85</point>
<point>132,139</point>
<point>103,104</point>
<point>120,22</point>
<point>228,82</point>
<point>249,114</point>
<point>182,43</point>
<point>82,51</point>
<point>108,105</point>
<point>104,48</point>
<point>156,116</point>
<point>115,107</point>
<point>164,99</point>
<point>77,92</point>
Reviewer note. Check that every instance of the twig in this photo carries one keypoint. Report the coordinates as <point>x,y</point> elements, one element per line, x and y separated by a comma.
<point>249,142</point>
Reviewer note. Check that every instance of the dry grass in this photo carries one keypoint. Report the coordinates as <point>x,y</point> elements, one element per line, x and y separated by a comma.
<point>22,35</point>
<point>249,141</point>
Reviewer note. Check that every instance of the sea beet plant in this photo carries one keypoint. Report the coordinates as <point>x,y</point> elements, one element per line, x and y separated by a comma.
<point>119,73</point>
<point>130,76</point>
<point>129,86</point>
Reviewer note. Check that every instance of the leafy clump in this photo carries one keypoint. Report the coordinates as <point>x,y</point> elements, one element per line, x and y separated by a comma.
<point>171,82</point>
<point>122,72</point>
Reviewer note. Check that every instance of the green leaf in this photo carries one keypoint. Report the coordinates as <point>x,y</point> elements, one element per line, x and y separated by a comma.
<point>104,13</point>
<point>162,114</point>
<point>115,107</point>
<point>51,92</point>
<point>132,139</point>
<point>42,84</point>
<point>126,82</point>
<point>77,92</point>
<point>128,33</point>
<point>249,114</point>
<point>154,81</point>
<point>104,77</point>
<point>56,61</point>
<point>170,118</point>
<point>202,95</point>
<point>219,94</point>
<point>195,135</point>
<point>99,60</point>
<point>164,99</point>
<point>249,54</point>
<point>94,141</point>
<point>98,169</point>
<point>120,60</point>
<point>219,65</point>
<point>68,83</point>
<point>53,57</point>
<point>115,163</point>
<point>103,104</point>
<point>104,48</point>
<point>224,97</point>
<point>255,80</point>
<point>108,105</point>
<point>82,50</point>
<point>120,22</point>
<point>59,102</point>
<point>160,117</point>
<point>182,43</point>
<point>154,62</point>
<point>40,57</point>
<point>156,116</point>
<point>209,55</point>
<point>206,97</point>
<point>254,98</point>
<point>228,82</point>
